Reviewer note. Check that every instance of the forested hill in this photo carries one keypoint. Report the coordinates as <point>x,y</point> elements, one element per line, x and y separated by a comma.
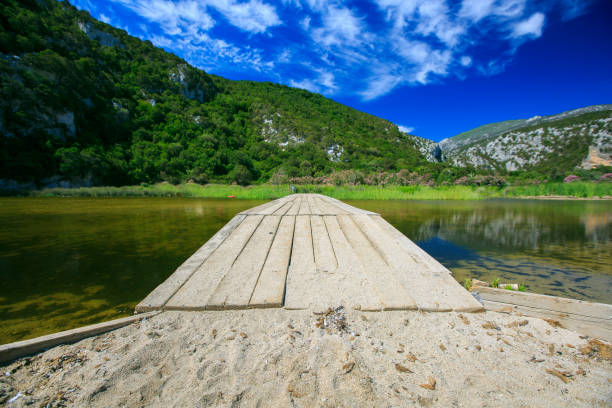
<point>84,102</point>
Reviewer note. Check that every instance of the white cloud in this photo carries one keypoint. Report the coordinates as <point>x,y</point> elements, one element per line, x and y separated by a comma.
<point>105,18</point>
<point>476,10</point>
<point>188,16</point>
<point>174,18</point>
<point>307,84</point>
<point>284,57</point>
<point>531,26</point>
<point>405,129</point>
<point>324,83</point>
<point>466,61</point>
<point>253,16</point>
<point>380,84</point>
<point>305,23</point>
<point>340,27</point>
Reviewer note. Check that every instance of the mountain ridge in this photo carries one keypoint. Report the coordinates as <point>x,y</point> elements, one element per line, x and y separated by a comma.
<point>496,128</point>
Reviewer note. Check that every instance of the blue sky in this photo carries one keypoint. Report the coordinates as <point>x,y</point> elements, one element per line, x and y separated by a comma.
<point>434,67</point>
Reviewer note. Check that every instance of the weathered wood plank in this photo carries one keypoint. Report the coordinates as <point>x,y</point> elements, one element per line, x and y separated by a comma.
<point>325,258</point>
<point>406,269</point>
<point>431,288</point>
<point>304,207</point>
<point>430,262</point>
<point>328,208</point>
<point>545,302</point>
<point>276,204</point>
<point>354,290</point>
<point>302,275</point>
<point>235,289</point>
<point>270,288</point>
<point>392,294</point>
<point>286,207</point>
<point>295,208</point>
<point>256,210</point>
<point>348,208</point>
<point>162,293</point>
<point>194,295</point>
<point>595,327</point>
<point>12,351</point>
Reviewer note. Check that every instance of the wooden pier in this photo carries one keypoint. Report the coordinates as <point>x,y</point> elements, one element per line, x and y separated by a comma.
<point>309,251</point>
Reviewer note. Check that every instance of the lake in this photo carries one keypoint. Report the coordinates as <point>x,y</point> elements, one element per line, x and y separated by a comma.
<point>68,262</point>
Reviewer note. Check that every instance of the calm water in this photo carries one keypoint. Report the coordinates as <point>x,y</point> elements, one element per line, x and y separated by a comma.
<point>69,262</point>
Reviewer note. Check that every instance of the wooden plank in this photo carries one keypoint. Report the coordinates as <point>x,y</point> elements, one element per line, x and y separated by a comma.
<point>295,208</point>
<point>314,207</point>
<point>424,289</point>
<point>545,302</point>
<point>12,351</point>
<point>270,288</point>
<point>304,206</point>
<point>325,258</point>
<point>237,286</point>
<point>354,290</point>
<point>286,207</point>
<point>432,290</point>
<point>348,208</point>
<point>328,208</point>
<point>255,210</point>
<point>162,293</point>
<point>392,294</point>
<point>430,262</point>
<point>277,204</point>
<point>302,276</point>
<point>594,327</point>
<point>195,293</point>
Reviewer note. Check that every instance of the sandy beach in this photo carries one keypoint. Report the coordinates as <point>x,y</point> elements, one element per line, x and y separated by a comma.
<point>347,358</point>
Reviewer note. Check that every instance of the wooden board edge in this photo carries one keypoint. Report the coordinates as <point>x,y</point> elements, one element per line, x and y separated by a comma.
<point>12,351</point>
<point>593,329</point>
<point>346,207</point>
<point>530,296</point>
<point>172,284</point>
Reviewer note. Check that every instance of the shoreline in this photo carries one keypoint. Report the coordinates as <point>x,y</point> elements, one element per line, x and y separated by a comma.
<point>547,191</point>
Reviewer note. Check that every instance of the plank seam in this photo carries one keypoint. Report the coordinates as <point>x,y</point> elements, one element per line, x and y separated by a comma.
<point>290,258</point>
<point>330,242</point>
<point>314,255</point>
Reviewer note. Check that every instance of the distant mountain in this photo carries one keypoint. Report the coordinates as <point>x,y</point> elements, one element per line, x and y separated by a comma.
<point>495,129</point>
<point>546,144</point>
<point>84,103</point>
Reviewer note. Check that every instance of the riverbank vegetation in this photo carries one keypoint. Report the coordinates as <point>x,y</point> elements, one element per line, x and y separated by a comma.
<point>342,192</point>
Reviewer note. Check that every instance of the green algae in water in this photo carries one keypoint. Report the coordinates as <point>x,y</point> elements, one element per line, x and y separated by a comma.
<point>66,263</point>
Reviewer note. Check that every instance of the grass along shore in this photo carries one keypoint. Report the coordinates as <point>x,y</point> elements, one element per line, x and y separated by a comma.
<point>346,192</point>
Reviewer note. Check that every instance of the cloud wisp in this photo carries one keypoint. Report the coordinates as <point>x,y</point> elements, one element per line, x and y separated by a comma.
<point>339,48</point>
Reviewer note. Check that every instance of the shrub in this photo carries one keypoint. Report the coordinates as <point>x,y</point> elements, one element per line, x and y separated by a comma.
<point>606,177</point>
<point>241,175</point>
<point>571,178</point>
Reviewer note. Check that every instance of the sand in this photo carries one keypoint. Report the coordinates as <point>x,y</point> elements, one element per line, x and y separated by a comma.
<point>281,358</point>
